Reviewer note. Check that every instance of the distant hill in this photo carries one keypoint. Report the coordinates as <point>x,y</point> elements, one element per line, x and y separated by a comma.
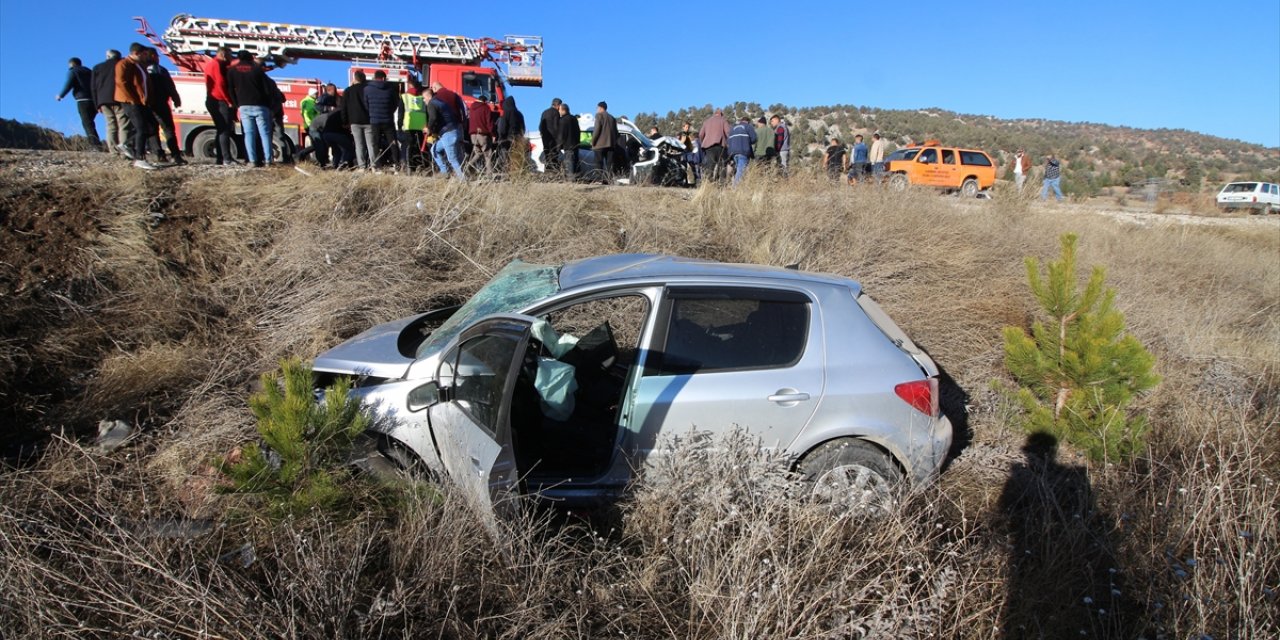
<point>1095,155</point>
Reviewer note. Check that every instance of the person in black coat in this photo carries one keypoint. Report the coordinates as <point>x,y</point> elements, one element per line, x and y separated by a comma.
<point>119,131</point>
<point>80,85</point>
<point>567,135</point>
<point>511,129</point>
<point>547,128</point>
<point>160,91</point>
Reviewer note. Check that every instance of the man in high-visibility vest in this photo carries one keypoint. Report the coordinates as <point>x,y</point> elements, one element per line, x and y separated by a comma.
<point>412,125</point>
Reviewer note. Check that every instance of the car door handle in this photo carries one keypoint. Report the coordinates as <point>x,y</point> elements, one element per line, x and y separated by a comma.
<point>788,395</point>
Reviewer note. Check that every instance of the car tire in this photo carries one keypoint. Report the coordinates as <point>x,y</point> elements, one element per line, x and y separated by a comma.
<point>899,182</point>
<point>852,476</point>
<point>387,459</point>
<point>969,188</point>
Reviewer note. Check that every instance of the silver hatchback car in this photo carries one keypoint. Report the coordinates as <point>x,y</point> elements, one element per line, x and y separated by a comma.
<point>561,380</point>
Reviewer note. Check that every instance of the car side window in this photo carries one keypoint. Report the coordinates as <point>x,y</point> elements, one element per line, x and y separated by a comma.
<point>975,158</point>
<point>928,156</point>
<point>477,371</point>
<point>1275,189</point>
<point>730,330</point>
<point>948,156</point>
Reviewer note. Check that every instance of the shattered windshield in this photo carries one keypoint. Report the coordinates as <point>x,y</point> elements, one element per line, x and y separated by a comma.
<point>517,286</point>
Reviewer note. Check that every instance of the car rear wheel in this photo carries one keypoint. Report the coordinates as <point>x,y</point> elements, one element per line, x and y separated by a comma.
<point>969,188</point>
<point>852,476</point>
<point>899,182</point>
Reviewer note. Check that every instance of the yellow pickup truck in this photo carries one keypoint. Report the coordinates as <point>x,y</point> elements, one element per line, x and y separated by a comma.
<point>935,165</point>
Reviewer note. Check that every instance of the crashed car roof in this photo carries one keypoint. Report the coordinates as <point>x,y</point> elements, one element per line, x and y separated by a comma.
<point>657,267</point>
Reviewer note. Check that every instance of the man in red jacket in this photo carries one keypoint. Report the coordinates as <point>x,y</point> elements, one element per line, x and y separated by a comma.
<point>218,103</point>
<point>480,128</point>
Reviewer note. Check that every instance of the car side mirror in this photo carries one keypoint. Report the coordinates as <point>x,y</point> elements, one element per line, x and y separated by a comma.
<point>427,395</point>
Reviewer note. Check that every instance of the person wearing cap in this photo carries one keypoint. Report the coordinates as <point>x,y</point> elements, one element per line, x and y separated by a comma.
<point>308,107</point>
<point>765,150</point>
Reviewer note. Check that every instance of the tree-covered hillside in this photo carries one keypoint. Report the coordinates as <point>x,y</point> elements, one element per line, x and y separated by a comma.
<point>1095,155</point>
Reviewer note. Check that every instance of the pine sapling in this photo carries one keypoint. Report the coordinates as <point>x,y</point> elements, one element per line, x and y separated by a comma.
<point>1078,369</point>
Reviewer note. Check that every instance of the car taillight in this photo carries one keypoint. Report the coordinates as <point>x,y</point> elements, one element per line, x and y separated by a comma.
<point>922,395</point>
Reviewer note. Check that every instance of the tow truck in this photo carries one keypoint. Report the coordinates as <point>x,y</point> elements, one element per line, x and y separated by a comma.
<point>457,62</point>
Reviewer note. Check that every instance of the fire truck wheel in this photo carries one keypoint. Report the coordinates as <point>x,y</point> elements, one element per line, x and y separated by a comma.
<point>205,146</point>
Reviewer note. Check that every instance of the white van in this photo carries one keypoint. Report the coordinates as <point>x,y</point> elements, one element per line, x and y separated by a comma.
<point>1263,197</point>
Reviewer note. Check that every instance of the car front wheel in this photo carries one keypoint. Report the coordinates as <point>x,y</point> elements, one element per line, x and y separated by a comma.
<point>852,476</point>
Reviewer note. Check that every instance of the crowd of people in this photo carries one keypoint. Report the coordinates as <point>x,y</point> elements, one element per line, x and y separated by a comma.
<point>378,124</point>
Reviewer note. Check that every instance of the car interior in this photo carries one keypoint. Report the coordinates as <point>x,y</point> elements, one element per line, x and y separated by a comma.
<point>576,436</point>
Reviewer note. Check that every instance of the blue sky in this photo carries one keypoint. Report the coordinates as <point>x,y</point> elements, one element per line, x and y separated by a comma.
<point>1212,67</point>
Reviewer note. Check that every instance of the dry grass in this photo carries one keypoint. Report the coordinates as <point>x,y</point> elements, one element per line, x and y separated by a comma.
<point>168,321</point>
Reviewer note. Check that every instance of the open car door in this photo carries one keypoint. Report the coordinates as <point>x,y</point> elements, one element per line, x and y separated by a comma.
<point>470,411</point>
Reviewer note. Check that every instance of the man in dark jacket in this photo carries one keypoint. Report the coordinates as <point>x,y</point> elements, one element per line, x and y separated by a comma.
<point>512,146</point>
<point>742,142</point>
<point>382,101</point>
<point>357,117</point>
<point>604,137</point>
<point>252,96</point>
<point>160,90</point>
<point>567,135</point>
<point>444,120</point>
<point>80,85</point>
<point>547,127</point>
<point>278,134</point>
<point>104,97</point>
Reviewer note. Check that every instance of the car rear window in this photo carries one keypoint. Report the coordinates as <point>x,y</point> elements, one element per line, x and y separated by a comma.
<point>734,332</point>
<point>1240,187</point>
<point>976,158</point>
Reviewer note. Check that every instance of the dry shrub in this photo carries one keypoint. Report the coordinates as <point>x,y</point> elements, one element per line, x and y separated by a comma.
<point>248,267</point>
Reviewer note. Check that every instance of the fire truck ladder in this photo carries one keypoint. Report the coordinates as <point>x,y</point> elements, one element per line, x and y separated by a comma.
<point>288,43</point>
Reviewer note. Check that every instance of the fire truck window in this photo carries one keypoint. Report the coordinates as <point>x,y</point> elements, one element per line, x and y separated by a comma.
<point>476,85</point>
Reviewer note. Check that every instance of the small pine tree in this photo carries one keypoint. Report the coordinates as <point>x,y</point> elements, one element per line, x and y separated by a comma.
<point>304,463</point>
<point>1079,370</point>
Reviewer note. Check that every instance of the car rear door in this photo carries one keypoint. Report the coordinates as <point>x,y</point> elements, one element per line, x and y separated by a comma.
<point>723,357</point>
<point>470,421</point>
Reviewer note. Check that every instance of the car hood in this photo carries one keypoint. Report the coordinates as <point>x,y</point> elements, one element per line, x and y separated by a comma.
<point>372,353</point>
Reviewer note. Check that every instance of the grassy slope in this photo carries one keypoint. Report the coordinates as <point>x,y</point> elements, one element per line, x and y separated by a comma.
<point>172,320</point>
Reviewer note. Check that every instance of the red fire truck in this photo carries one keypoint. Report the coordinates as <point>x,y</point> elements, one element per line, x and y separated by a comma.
<point>454,61</point>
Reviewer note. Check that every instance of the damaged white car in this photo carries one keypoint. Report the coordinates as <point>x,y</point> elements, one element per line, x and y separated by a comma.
<point>560,380</point>
<point>647,161</point>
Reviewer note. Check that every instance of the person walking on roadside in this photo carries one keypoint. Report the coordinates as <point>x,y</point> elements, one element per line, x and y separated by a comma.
<point>382,101</point>
<point>480,131</point>
<point>512,144</point>
<point>357,117</point>
<point>131,91</point>
<point>742,142</point>
<point>765,151</point>
<point>104,98</point>
<point>782,142</point>
<point>251,95</point>
<point>548,125</point>
<point>413,124</point>
<point>604,137</point>
<point>836,159</point>
<point>1052,178</point>
<point>218,103</point>
<point>860,165</point>
<point>445,124</point>
<point>80,85</point>
<point>160,92</point>
<point>1021,167</point>
<point>877,154</point>
<point>712,137</point>
<point>567,134</point>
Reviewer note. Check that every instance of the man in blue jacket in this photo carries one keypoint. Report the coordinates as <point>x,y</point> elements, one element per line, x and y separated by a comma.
<point>444,120</point>
<point>382,102</point>
<point>80,85</point>
<point>742,142</point>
